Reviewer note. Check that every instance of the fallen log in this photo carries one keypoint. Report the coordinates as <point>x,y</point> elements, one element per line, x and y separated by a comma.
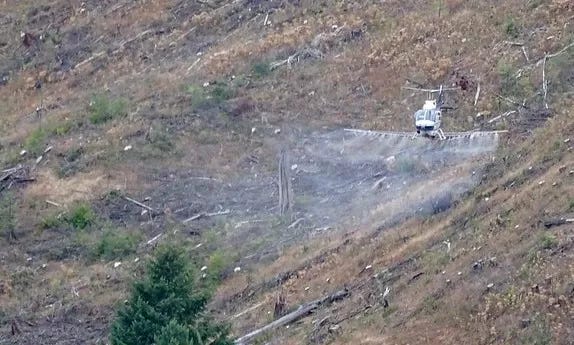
<point>301,312</point>
<point>202,215</point>
<point>139,204</point>
<point>548,223</point>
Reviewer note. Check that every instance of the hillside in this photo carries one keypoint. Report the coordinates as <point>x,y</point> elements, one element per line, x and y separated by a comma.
<point>125,124</point>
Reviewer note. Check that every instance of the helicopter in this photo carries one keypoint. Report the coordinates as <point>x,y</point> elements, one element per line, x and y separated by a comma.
<point>427,120</point>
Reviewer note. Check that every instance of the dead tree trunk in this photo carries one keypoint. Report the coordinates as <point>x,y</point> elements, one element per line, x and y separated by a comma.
<point>284,185</point>
<point>280,305</point>
<point>301,312</point>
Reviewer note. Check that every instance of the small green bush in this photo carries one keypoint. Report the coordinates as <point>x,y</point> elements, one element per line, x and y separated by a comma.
<point>71,162</point>
<point>221,93</point>
<point>51,222</point>
<point>114,245</point>
<point>511,28</point>
<point>36,141</point>
<point>198,96</point>
<point>548,241</point>
<point>80,217</point>
<point>103,109</point>
<point>61,128</point>
<point>161,140</point>
<point>7,218</point>
<point>261,69</point>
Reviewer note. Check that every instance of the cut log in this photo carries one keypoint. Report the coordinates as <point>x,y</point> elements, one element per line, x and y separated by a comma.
<point>548,223</point>
<point>303,311</point>
<point>139,204</point>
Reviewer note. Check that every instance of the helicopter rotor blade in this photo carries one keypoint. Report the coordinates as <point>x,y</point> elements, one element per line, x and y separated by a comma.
<point>430,90</point>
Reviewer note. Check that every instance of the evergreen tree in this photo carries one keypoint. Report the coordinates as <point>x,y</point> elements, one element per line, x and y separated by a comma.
<point>167,307</point>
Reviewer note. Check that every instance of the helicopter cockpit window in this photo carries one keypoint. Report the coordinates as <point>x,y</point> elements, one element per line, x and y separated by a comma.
<point>420,115</point>
<point>425,115</point>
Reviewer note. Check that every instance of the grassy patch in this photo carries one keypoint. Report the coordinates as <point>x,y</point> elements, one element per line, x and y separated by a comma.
<point>430,304</point>
<point>435,261</point>
<point>161,140</point>
<point>548,241</point>
<point>36,141</point>
<point>260,69</point>
<point>511,28</point>
<point>103,109</point>
<point>7,218</point>
<point>71,162</point>
<point>538,333</point>
<point>61,128</point>
<point>210,96</point>
<point>81,216</point>
<point>115,244</point>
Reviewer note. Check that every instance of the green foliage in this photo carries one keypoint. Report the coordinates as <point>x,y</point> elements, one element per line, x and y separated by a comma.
<point>211,96</point>
<point>51,222</point>
<point>36,141</point>
<point>198,96</point>
<point>103,109</point>
<point>61,128</point>
<point>71,162</point>
<point>511,28</point>
<point>430,304</point>
<point>7,219</point>
<point>221,93</point>
<point>512,86</point>
<point>548,241</point>
<point>261,69</point>
<point>80,217</point>
<point>167,307</point>
<point>161,140</point>
<point>115,244</point>
<point>538,333</point>
<point>435,261</point>
<point>174,334</point>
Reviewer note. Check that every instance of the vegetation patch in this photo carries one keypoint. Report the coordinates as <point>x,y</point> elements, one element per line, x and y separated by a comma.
<point>116,244</point>
<point>261,69</point>
<point>7,219</point>
<point>167,307</point>
<point>71,162</point>
<point>548,241</point>
<point>103,109</point>
<point>36,141</point>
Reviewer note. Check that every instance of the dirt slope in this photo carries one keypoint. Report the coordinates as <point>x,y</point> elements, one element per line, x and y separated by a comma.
<point>186,105</point>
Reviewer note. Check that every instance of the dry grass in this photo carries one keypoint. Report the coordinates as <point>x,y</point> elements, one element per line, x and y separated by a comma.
<point>355,83</point>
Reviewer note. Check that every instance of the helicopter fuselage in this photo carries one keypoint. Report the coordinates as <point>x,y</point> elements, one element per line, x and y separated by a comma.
<point>428,119</point>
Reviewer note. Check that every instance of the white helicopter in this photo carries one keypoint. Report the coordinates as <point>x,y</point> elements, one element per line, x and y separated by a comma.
<point>427,120</point>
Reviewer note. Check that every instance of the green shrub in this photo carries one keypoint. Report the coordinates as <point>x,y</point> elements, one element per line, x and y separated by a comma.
<point>80,217</point>
<point>198,96</point>
<point>218,262</point>
<point>221,93</point>
<point>51,222</point>
<point>114,245</point>
<point>538,333</point>
<point>7,218</point>
<point>61,128</point>
<point>261,69</point>
<point>71,162</point>
<point>161,140</point>
<point>103,109</point>
<point>511,28</point>
<point>36,141</point>
<point>548,241</point>
<point>167,306</point>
